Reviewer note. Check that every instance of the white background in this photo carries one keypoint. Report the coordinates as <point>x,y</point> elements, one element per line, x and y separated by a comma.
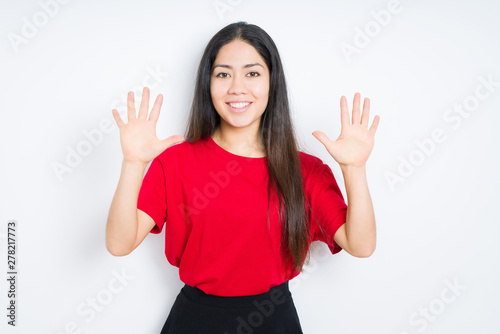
<point>438,225</point>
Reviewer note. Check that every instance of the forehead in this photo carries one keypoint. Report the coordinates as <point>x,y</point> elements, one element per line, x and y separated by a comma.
<point>238,53</point>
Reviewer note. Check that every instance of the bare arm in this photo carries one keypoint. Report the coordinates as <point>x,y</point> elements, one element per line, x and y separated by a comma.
<point>127,226</point>
<point>358,235</point>
<point>351,150</point>
<point>123,219</point>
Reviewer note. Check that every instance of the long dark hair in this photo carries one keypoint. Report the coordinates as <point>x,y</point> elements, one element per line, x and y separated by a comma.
<point>276,132</point>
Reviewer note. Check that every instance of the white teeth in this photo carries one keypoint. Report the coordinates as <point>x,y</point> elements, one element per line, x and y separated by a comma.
<point>239,105</point>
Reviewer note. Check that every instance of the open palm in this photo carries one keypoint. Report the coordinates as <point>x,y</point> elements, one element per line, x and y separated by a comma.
<point>138,136</point>
<point>355,142</point>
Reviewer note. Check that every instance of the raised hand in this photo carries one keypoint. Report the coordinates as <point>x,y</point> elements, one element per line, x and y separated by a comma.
<point>138,136</point>
<point>355,142</point>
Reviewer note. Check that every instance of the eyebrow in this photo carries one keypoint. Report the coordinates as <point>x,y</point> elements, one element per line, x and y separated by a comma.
<point>230,67</point>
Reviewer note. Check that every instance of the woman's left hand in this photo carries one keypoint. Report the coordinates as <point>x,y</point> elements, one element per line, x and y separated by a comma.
<point>355,143</point>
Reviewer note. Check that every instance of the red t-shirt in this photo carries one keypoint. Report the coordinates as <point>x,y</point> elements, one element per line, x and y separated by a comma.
<point>213,205</point>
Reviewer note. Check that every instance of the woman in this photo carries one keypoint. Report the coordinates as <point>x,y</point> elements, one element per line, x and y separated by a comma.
<point>235,247</point>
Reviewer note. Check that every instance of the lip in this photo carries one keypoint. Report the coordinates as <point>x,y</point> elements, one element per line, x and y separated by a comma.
<point>241,109</point>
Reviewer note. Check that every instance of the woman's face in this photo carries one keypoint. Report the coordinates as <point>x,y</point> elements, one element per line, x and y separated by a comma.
<point>239,85</point>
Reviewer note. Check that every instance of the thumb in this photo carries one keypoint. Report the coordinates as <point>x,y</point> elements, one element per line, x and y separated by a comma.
<point>172,140</point>
<point>321,137</point>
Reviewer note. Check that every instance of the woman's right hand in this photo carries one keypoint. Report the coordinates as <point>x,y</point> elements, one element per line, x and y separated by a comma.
<point>138,136</point>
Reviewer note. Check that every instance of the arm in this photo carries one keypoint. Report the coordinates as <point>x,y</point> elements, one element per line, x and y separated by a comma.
<point>351,150</point>
<point>358,235</point>
<point>127,226</point>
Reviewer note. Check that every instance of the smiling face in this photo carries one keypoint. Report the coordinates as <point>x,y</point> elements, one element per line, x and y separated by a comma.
<point>239,86</point>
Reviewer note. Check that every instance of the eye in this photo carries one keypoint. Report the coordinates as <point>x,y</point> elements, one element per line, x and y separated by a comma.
<point>254,74</point>
<point>222,75</point>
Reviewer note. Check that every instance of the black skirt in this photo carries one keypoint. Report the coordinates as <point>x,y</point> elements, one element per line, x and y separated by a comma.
<point>195,312</point>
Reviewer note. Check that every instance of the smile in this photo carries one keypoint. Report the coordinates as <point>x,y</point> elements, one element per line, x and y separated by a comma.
<point>239,107</point>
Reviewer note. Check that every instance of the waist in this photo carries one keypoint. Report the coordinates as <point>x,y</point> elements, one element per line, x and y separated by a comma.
<point>275,295</point>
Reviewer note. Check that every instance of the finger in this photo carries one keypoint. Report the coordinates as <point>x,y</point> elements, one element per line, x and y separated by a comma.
<point>355,109</point>
<point>366,113</point>
<point>144,108</point>
<point>117,118</point>
<point>130,106</point>
<point>172,140</point>
<point>374,126</point>
<point>344,112</point>
<point>321,137</point>
<point>155,112</point>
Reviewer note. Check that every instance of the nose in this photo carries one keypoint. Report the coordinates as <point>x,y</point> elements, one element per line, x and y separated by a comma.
<point>238,85</point>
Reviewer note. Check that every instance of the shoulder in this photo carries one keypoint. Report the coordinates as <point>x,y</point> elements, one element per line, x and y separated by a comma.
<point>315,172</point>
<point>309,159</point>
<point>183,149</point>
<point>310,163</point>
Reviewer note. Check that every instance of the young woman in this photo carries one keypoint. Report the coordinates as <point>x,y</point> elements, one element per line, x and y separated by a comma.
<point>239,201</point>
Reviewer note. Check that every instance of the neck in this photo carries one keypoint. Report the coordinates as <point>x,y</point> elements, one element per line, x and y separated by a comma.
<point>239,141</point>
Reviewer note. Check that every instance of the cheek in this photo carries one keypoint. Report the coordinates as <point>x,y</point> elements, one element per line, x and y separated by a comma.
<point>261,91</point>
<point>213,93</point>
<point>216,91</point>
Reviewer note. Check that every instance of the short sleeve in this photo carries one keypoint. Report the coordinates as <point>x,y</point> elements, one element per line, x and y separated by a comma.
<point>152,195</point>
<point>329,210</point>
